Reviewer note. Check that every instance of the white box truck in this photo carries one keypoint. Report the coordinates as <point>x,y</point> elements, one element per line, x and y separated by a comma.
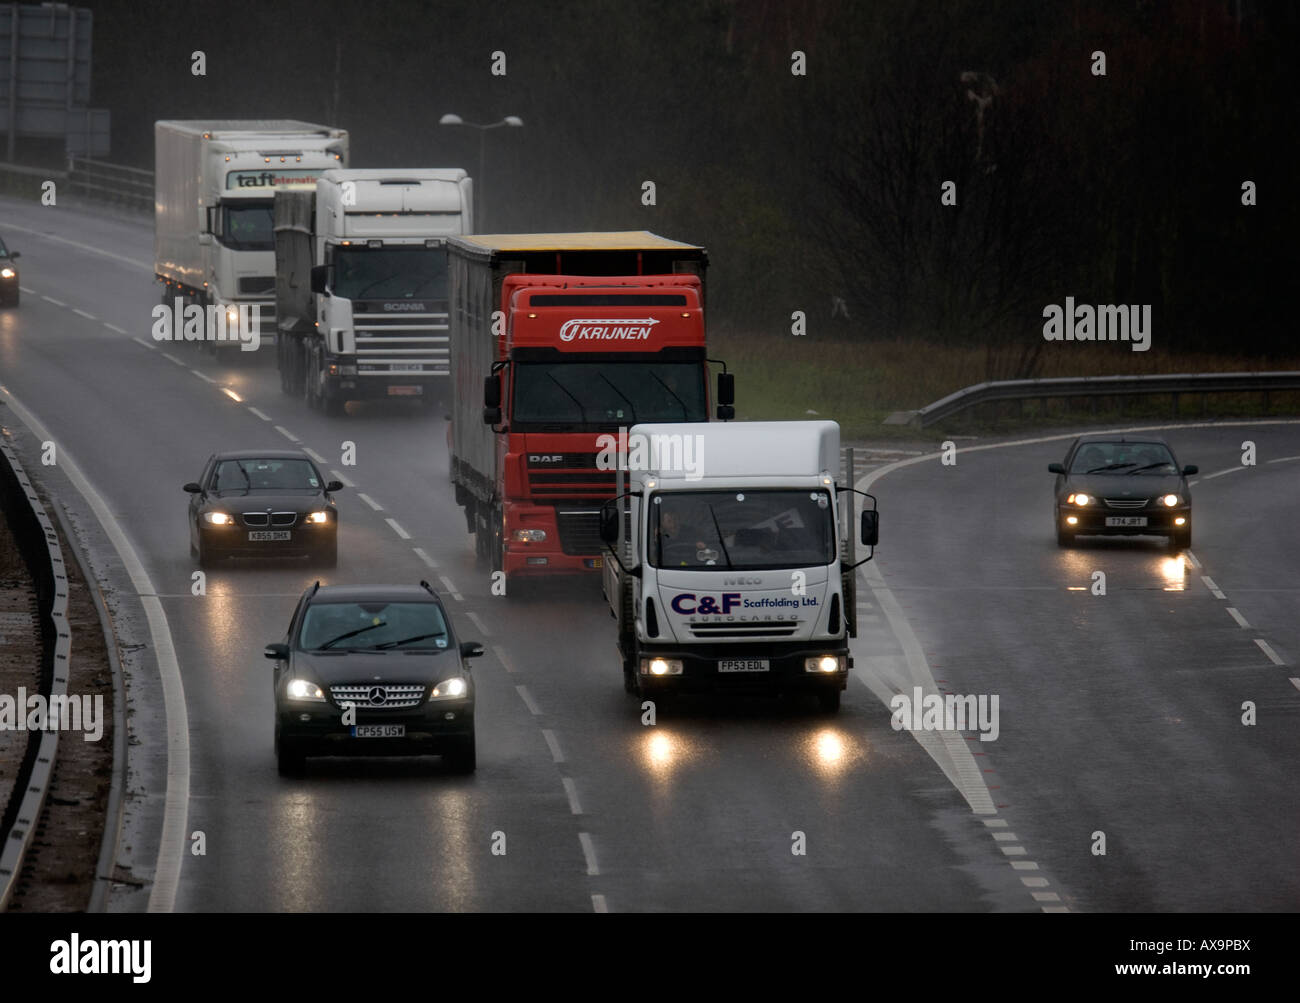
<point>361,284</point>
<point>213,241</point>
<point>728,570</point>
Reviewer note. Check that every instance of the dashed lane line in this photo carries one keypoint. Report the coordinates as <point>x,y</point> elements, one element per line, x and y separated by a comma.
<point>553,744</point>
<point>455,593</point>
<point>396,527</point>
<point>338,476</point>
<point>204,377</point>
<point>370,501</point>
<point>51,299</point>
<point>1241,620</point>
<point>527,698</point>
<point>258,414</point>
<point>588,852</point>
<point>503,658</point>
<point>420,553</point>
<point>287,434</point>
<point>88,316</point>
<point>1265,647</point>
<point>571,792</point>
<point>482,627</point>
<point>315,455</point>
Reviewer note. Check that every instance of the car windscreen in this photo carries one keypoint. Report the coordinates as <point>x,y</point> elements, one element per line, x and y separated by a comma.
<point>1123,458</point>
<point>352,626</point>
<point>265,475</point>
<point>741,530</point>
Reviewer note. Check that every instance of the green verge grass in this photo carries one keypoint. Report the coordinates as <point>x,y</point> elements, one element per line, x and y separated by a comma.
<point>860,383</point>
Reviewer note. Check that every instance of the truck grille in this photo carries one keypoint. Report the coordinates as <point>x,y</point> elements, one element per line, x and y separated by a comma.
<point>279,519</point>
<point>251,285</point>
<point>415,342</point>
<point>570,475</point>
<point>579,530</point>
<point>1127,502</point>
<point>763,628</point>
<point>378,696</point>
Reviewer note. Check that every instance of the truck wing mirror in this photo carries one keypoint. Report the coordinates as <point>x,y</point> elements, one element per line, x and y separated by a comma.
<point>870,528</point>
<point>609,525</point>
<point>492,391</point>
<point>726,396</point>
<point>1055,468</point>
<point>320,275</point>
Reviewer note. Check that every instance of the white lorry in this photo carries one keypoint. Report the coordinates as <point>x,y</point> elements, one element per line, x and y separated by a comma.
<point>213,242</point>
<point>361,284</point>
<point>728,569</point>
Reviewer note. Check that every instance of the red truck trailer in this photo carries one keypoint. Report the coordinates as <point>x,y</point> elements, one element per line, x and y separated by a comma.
<point>558,342</point>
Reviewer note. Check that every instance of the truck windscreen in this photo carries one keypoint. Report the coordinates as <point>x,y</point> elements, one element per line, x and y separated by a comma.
<point>390,273</point>
<point>582,395</point>
<point>247,227</point>
<point>741,530</point>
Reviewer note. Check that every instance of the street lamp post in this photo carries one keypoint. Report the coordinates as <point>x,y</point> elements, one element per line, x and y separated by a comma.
<point>451,119</point>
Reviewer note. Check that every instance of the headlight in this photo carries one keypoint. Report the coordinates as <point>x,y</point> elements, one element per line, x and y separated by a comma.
<point>318,517</point>
<point>217,518</point>
<point>449,689</point>
<point>1171,500</point>
<point>1080,499</point>
<point>824,663</point>
<point>528,535</point>
<point>661,667</point>
<point>232,315</point>
<point>7,273</point>
<point>302,689</point>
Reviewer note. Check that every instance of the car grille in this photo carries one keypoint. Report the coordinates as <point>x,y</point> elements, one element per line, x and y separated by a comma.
<point>390,696</point>
<point>763,628</point>
<point>579,530</point>
<point>1126,502</point>
<point>280,520</point>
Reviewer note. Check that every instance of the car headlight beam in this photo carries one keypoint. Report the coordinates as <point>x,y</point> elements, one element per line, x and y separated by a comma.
<point>449,689</point>
<point>1171,500</point>
<point>304,689</point>
<point>218,518</point>
<point>318,517</point>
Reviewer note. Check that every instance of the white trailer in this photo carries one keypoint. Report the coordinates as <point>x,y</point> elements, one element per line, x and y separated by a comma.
<point>213,240</point>
<point>728,570</point>
<point>361,284</point>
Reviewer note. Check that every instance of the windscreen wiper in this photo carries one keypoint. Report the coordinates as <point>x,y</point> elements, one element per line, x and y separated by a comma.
<point>680,403</point>
<point>630,405</point>
<point>351,633</point>
<point>721,542</point>
<point>581,410</point>
<point>1150,466</point>
<point>407,640</point>
<point>1109,466</point>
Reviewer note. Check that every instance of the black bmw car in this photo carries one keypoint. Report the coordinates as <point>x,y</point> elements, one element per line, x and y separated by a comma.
<point>373,670</point>
<point>8,276</point>
<point>268,503</point>
<point>1122,484</point>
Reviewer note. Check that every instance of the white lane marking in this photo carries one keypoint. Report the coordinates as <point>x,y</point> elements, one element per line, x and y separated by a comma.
<point>397,528</point>
<point>482,627</point>
<point>1013,851</point>
<point>419,552</point>
<point>1284,459</point>
<point>527,698</point>
<point>1221,473</point>
<point>996,823</point>
<point>1056,908</point>
<point>553,744</point>
<point>342,480</point>
<point>51,299</point>
<point>1209,584</point>
<point>315,455</point>
<point>589,852</point>
<point>450,587</point>
<point>254,411</point>
<point>1265,647</point>
<point>1241,620</point>
<point>144,344</point>
<point>370,501</point>
<point>1034,882</point>
<point>82,313</point>
<point>1192,559</point>
<point>598,904</point>
<point>571,792</point>
<point>174,839</point>
<point>1046,897</point>
<point>147,266</point>
<point>1006,837</point>
<point>1024,865</point>
<point>203,377</point>
<point>171,358</point>
<point>504,659</point>
<point>287,434</point>
<point>117,330</point>
<point>1295,682</point>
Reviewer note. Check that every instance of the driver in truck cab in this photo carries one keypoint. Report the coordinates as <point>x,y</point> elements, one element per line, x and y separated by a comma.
<point>683,536</point>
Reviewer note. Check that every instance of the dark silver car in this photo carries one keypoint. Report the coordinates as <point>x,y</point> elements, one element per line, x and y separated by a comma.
<point>267,503</point>
<point>1122,484</point>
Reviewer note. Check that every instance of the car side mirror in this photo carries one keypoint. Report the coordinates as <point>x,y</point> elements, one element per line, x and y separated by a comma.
<point>319,278</point>
<point>333,486</point>
<point>15,255</point>
<point>280,652</point>
<point>193,488</point>
<point>470,649</point>
<point>1190,469</point>
<point>870,528</point>
<point>1055,468</point>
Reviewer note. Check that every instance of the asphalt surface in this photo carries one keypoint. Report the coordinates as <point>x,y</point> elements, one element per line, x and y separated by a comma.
<point>1120,713</point>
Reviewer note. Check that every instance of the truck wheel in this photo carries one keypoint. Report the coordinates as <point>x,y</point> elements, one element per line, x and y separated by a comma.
<point>829,700</point>
<point>331,404</point>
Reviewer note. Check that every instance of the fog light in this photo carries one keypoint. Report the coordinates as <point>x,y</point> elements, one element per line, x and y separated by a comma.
<point>1072,520</point>
<point>1180,521</point>
<point>449,716</point>
<point>528,535</point>
<point>304,717</point>
<point>661,666</point>
<point>823,663</point>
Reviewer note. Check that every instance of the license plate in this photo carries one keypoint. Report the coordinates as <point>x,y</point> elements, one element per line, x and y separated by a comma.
<point>1126,520</point>
<point>405,367</point>
<point>594,562</point>
<point>743,665</point>
<point>269,534</point>
<point>405,391</point>
<point>379,731</point>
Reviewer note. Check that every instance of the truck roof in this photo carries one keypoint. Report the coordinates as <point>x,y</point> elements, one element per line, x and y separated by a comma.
<point>394,175</point>
<point>742,449</point>
<point>245,126</point>
<point>622,240</point>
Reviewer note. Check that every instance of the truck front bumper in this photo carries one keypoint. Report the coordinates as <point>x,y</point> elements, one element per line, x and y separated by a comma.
<point>745,667</point>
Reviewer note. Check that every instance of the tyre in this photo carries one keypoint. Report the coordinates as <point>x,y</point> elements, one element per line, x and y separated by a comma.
<point>289,757</point>
<point>208,557</point>
<point>331,403</point>
<point>461,757</point>
<point>13,297</point>
<point>829,700</point>
<point>1181,539</point>
<point>327,556</point>
<point>1064,538</point>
